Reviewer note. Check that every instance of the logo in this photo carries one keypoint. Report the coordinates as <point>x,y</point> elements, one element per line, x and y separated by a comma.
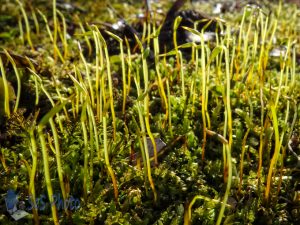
<point>42,202</point>
<point>11,202</point>
<point>17,208</point>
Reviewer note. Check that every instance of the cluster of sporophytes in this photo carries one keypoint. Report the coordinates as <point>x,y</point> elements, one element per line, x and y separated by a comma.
<point>80,121</point>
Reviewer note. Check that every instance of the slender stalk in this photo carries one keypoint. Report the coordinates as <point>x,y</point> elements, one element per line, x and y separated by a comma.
<point>37,93</point>
<point>18,79</point>
<point>6,90</point>
<point>93,126</point>
<point>106,156</point>
<point>98,56</point>
<point>261,69</point>
<point>246,46</point>
<point>99,73</point>
<point>64,34</point>
<point>129,65</point>
<point>91,144</point>
<point>87,41</point>
<point>56,49</point>
<point>109,78</point>
<point>242,159</point>
<point>35,20</point>
<point>58,161</point>
<point>175,26</point>
<point>85,154</point>
<point>49,97</point>
<point>28,32</point>
<point>159,79</point>
<point>123,69</point>
<point>283,133</point>
<point>169,107</point>
<point>228,186</point>
<point>60,98</point>
<point>142,121</point>
<point>276,152</point>
<point>21,30</point>
<point>32,174</point>
<point>181,74</point>
<point>147,162</point>
<point>193,85</point>
<point>87,71</point>
<point>54,29</point>
<point>244,143</point>
<point>47,173</point>
<point>228,91</point>
<point>146,104</point>
<point>241,31</point>
<point>228,126</point>
<point>281,72</point>
<point>203,97</point>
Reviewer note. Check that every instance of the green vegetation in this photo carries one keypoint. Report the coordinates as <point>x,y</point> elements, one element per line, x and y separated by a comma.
<point>81,107</point>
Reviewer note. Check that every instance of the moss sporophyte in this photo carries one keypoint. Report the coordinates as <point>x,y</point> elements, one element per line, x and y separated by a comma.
<point>150,112</point>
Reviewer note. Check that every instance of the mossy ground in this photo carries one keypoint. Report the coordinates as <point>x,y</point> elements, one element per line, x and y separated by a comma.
<point>255,78</point>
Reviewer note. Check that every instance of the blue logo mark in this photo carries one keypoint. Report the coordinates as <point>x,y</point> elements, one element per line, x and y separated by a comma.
<point>42,202</point>
<point>11,201</point>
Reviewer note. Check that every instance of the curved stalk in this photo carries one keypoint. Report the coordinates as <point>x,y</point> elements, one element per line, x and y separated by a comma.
<point>47,173</point>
